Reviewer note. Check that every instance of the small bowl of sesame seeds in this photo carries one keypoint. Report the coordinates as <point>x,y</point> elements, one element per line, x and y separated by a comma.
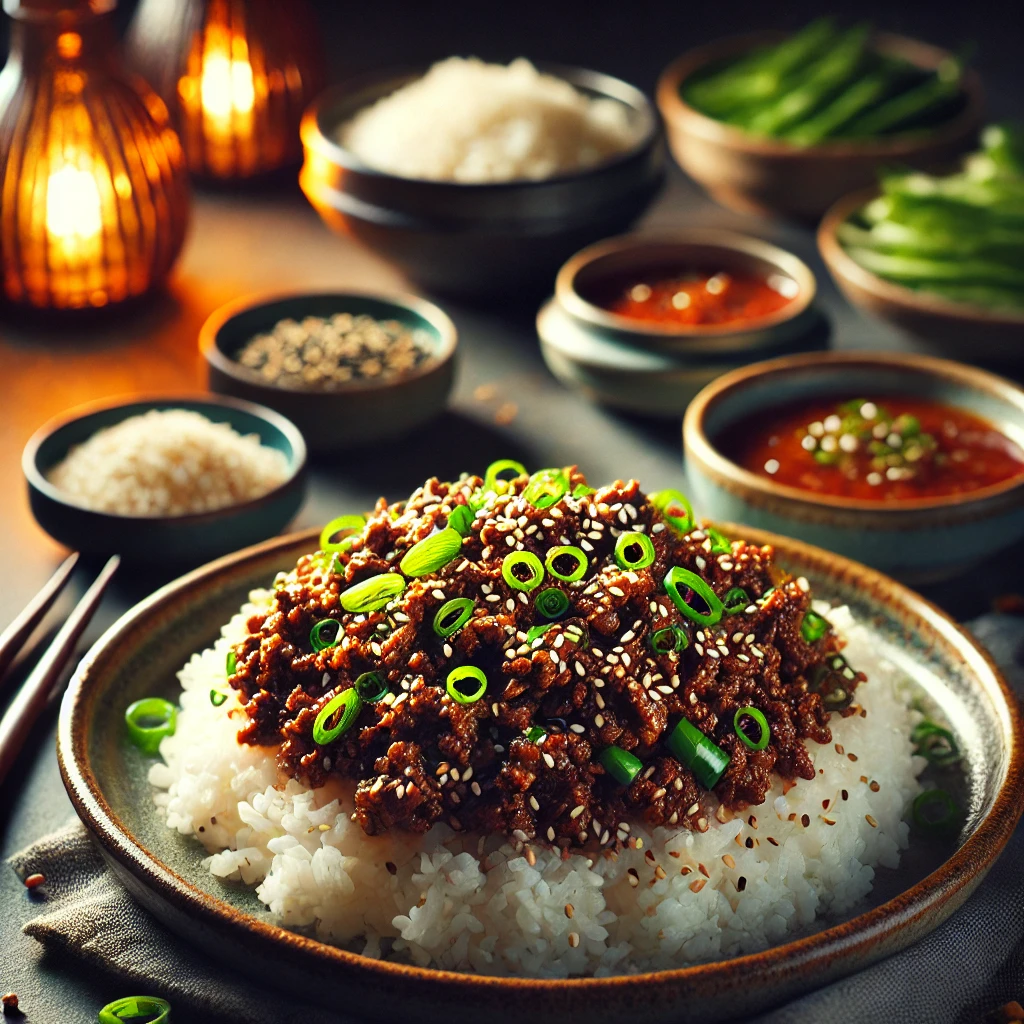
<point>345,367</point>
<point>910,464</point>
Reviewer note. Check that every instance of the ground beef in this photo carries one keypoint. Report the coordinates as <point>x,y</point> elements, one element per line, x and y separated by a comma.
<point>523,760</point>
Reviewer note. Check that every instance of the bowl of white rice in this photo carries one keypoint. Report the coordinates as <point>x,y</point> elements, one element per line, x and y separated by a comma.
<point>175,480</point>
<point>476,178</point>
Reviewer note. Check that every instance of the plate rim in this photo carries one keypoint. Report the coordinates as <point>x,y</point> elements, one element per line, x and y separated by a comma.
<point>930,900</point>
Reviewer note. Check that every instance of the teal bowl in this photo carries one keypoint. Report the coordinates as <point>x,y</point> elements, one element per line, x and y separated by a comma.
<point>923,540</point>
<point>181,541</point>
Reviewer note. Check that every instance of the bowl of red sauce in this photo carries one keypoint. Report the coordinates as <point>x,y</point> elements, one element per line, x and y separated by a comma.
<point>643,322</point>
<point>910,464</point>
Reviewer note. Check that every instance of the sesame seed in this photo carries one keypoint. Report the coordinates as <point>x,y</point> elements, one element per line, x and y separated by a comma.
<point>576,812</point>
<point>549,760</point>
<point>871,821</point>
<point>599,721</point>
<point>551,834</point>
<point>533,803</point>
<point>728,861</point>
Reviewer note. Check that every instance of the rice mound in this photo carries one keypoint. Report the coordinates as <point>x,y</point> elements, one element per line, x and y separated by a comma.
<point>472,903</point>
<point>468,121</point>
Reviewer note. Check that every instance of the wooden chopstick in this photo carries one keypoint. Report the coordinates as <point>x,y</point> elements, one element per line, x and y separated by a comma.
<point>13,638</point>
<point>31,698</point>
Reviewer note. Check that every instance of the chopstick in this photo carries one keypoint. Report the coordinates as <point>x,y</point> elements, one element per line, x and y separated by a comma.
<point>31,698</point>
<point>13,638</point>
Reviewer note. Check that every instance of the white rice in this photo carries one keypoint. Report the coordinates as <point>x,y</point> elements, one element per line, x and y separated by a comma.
<point>468,903</point>
<point>468,121</point>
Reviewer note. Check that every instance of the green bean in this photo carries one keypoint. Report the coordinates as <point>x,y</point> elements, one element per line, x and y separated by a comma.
<point>1002,198</point>
<point>910,269</point>
<point>823,78</point>
<point>935,240</point>
<point>910,106</point>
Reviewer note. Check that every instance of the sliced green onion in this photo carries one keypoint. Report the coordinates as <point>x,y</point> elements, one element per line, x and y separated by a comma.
<point>535,733</point>
<point>231,664</point>
<point>452,616</point>
<point>668,639</point>
<point>546,488</point>
<point>533,571</point>
<point>574,554</point>
<point>576,633</point>
<point>735,600</point>
<point>674,509</point>
<point>832,680</point>
<point>350,526</point>
<point>935,810</point>
<point>535,632</point>
<point>936,744</point>
<point>217,697</point>
<point>432,553</point>
<point>371,687</point>
<point>461,520</point>
<point>768,593</point>
<point>318,641</point>
<point>492,475</point>
<point>677,576</point>
<point>551,603</point>
<point>620,764</point>
<point>155,1010</point>
<point>701,755</point>
<point>582,491</point>
<point>813,627</point>
<point>148,721</point>
<point>762,724</point>
<point>720,544</point>
<point>346,706</point>
<point>373,593</point>
<point>634,551</point>
<point>468,672</point>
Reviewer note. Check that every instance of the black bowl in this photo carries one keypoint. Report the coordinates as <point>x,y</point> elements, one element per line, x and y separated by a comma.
<point>477,239</point>
<point>179,540</point>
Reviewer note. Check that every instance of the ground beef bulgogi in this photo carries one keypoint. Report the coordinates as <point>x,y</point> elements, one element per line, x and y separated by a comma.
<point>524,759</point>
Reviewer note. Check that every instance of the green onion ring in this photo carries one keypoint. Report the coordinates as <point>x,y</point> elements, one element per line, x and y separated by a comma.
<point>582,491</point>
<point>373,593</point>
<point>316,640</point>
<point>535,632</point>
<point>492,479</point>
<point>669,639</point>
<point>131,1007</point>
<point>936,744</point>
<point>667,501</point>
<point>701,755</point>
<point>720,544</point>
<point>432,553</point>
<point>349,703</point>
<point>459,607</point>
<point>466,672</point>
<point>371,687</point>
<point>678,575</point>
<point>461,520</point>
<point>627,541</point>
<point>935,798</point>
<point>347,524</point>
<point>546,488</point>
<point>620,764</point>
<point>535,733</point>
<point>813,627</point>
<point>735,600</point>
<point>762,724</point>
<point>567,551</point>
<point>231,663</point>
<point>551,603</point>
<point>529,561</point>
<point>217,697</point>
<point>161,716</point>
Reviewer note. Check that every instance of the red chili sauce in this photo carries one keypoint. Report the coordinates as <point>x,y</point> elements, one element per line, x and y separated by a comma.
<point>698,298</point>
<point>892,449</point>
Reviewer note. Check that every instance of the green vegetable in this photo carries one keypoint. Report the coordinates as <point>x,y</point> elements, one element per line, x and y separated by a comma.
<point>546,488</point>
<point>231,666</point>
<point>494,482</point>
<point>350,527</point>
<point>344,709</point>
<point>735,600</point>
<point>557,557</point>
<point>678,576</point>
<point>461,520</point>
<point>813,627</point>
<point>217,697</point>
<point>476,680</point>
<point>620,764</point>
<point>764,731</point>
<point>701,755</point>
<point>148,721</point>
<point>634,551</point>
<point>936,744</point>
<point>551,603</point>
<point>668,639</point>
<point>674,509</point>
<point>153,1009</point>
<point>720,544</point>
<point>432,553</point>
<point>371,687</point>
<point>522,570</point>
<point>536,632</point>
<point>582,491</point>
<point>452,616</point>
<point>936,811</point>
<point>318,641</point>
<point>535,733</point>
<point>372,593</point>
<point>913,269</point>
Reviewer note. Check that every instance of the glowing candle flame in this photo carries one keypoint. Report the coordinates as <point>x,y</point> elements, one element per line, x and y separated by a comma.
<point>73,215</point>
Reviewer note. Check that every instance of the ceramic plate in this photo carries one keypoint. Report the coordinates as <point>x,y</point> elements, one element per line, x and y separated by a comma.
<point>139,655</point>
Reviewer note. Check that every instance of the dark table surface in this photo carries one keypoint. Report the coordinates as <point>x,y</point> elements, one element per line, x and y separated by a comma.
<point>505,404</point>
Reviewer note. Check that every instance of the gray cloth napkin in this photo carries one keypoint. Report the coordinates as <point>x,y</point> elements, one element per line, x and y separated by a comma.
<point>969,966</point>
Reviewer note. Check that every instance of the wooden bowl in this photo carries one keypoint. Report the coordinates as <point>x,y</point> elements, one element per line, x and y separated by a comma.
<point>954,329</point>
<point>760,175</point>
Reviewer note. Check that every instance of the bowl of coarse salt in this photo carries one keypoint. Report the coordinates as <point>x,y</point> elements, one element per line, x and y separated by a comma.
<point>176,480</point>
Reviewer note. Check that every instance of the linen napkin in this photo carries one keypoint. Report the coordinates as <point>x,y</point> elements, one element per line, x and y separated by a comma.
<point>969,966</point>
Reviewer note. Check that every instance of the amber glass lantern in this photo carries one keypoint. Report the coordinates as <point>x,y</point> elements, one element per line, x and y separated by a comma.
<point>94,200</point>
<point>236,75</point>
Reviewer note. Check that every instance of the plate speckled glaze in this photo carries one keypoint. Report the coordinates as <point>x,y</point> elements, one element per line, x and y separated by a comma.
<point>139,655</point>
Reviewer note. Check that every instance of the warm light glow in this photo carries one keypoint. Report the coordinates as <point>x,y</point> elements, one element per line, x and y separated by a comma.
<point>226,86</point>
<point>73,216</point>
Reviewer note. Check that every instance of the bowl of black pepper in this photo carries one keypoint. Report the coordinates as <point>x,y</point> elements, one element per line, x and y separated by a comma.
<point>345,367</point>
